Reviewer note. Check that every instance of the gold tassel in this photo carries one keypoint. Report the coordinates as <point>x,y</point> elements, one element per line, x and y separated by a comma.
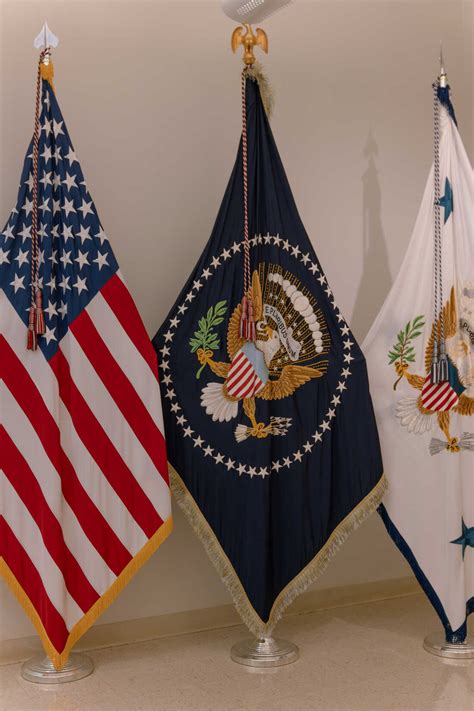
<point>47,73</point>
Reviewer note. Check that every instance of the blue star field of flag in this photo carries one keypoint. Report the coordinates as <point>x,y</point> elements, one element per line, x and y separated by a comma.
<point>75,258</point>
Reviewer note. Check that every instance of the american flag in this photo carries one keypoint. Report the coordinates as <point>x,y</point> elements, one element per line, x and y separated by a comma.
<point>84,494</point>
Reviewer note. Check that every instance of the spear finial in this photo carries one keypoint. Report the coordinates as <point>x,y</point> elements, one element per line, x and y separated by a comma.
<point>443,77</point>
<point>45,38</point>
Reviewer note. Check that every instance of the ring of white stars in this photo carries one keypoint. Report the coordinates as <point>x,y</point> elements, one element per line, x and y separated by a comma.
<point>334,402</point>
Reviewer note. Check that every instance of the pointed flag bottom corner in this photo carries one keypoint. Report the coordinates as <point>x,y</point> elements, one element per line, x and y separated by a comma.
<point>84,493</point>
<point>271,436</point>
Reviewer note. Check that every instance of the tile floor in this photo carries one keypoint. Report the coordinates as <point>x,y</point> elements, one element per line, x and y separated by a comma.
<point>364,657</point>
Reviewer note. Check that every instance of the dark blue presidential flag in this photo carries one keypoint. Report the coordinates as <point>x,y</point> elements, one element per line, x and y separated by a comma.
<point>272,443</point>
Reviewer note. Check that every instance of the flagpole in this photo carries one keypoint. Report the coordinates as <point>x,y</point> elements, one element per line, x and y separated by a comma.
<point>436,642</point>
<point>267,651</point>
<point>40,669</point>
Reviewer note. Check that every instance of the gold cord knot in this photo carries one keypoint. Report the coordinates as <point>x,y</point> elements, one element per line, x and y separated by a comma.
<point>401,368</point>
<point>204,356</point>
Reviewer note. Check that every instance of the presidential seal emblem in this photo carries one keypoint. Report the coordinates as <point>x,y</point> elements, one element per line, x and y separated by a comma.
<point>291,348</point>
<point>455,395</point>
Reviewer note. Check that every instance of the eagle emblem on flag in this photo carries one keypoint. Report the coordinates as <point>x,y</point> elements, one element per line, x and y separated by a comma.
<point>436,401</point>
<point>290,333</point>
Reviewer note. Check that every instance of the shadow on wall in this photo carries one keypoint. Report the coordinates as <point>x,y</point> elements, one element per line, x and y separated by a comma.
<point>376,278</point>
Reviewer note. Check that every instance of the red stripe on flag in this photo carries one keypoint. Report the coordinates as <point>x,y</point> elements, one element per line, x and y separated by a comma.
<point>28,577</point>
<point>253,388</point>
<point>237,360</point>
<point>121,390</point>
<point>434,396</point>
<point>444,398</point>
<point>234,383</point>
<point>27,395</point>
<point>449,401</point>
<point>428,390</point>
<point>237,367</point>
<point>246,385</point>
<point>16,469</point>
<point>236,375</point>
<point>118,298</point>
<point>95,439</point>
<point>438,397</point>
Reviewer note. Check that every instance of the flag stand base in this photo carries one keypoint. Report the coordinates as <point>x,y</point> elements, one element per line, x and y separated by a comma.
<point>267,652</point>
<point>40,670</point>
<point>436,644</point>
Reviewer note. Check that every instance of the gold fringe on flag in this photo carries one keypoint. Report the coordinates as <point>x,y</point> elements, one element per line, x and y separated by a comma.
<point>295,587</point>
<point>59,659</point>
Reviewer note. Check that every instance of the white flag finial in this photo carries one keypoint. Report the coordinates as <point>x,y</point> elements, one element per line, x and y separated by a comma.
<point>443,78</point>
<point>45,38</point>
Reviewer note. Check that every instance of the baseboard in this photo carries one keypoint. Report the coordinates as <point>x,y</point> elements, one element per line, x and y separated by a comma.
<point>146,628</point>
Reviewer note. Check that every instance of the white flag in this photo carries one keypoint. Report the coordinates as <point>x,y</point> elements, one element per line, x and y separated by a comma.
<point>425,416</point>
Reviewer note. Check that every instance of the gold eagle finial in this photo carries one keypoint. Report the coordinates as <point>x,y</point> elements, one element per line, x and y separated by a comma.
<point>245,36</point>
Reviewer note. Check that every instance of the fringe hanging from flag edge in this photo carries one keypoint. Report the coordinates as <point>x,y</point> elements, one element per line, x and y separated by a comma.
<point>295,587</point>
<point>256,73</point>
<point>60,659</point>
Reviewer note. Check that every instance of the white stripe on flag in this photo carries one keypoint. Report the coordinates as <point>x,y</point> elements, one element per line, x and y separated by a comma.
<point>127,356</point>
<point>116,426</point>
<point>237,364</point>
<point>428,389</point>
<point>246,385</point>
<point>29,536</point>
<point>450,402</point>
<point>26,440</point>
<point>94,483</point>
<point>239,373</point>
<point>439,393</point>
<point>98,488</point>
<point>13,330</point>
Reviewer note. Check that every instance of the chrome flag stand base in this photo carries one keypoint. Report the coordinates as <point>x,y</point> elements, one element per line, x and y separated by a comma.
<point>263,653</point>
<point>436,644</point>
<point>40,670</point>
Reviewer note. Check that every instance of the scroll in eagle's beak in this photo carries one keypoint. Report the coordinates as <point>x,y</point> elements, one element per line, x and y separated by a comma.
<point>269,331</point>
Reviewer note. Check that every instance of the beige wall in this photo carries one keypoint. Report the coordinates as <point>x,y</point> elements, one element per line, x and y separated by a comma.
<point>150,92</point>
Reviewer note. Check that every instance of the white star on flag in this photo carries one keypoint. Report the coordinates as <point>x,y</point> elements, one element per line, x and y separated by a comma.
<point>22,258</point>
<point>84,233</point>
<point>17,282</point>
<point>80,285</point>
<point>86,208</point>
<point>69,181</point>
<point>101,260</point>
<point>71,157</point>
<point>81,259</point>
<point>68,206</point>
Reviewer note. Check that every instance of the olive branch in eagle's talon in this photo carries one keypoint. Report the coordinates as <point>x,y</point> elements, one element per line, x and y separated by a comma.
<point>403,352</point>
<point>205,340</point>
